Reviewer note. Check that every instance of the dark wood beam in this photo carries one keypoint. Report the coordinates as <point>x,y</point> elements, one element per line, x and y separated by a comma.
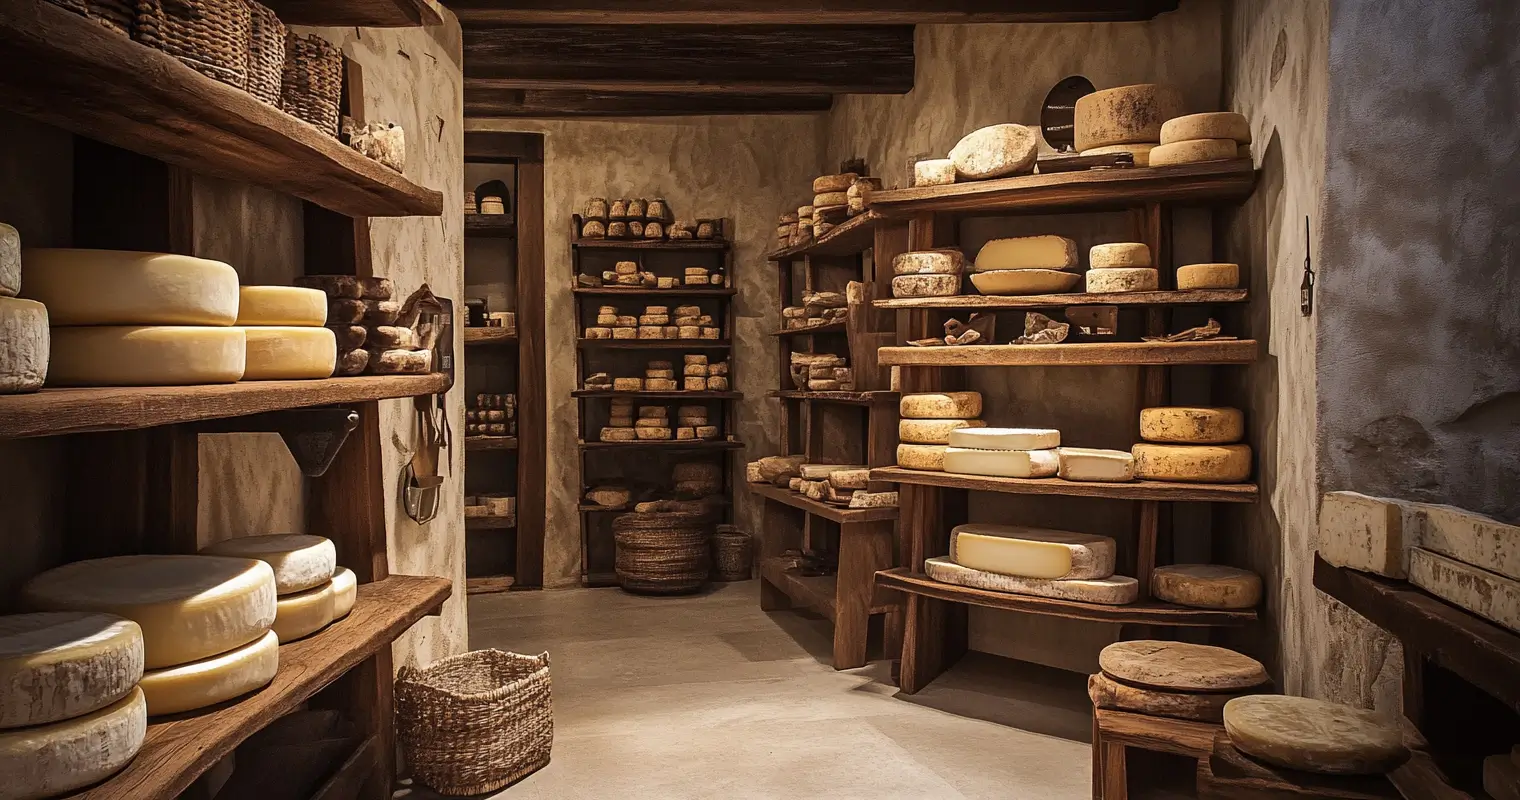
<point>716,59</point>
<point>800,12</point>
<point>538,104</point>
<point>361,13</point>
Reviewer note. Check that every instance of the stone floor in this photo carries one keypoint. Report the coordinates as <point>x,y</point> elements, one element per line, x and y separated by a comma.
<point>709,697</point>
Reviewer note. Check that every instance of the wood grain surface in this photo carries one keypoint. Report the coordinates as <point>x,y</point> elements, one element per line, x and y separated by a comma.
<point>1231,351</point>
<point>1134,490</point>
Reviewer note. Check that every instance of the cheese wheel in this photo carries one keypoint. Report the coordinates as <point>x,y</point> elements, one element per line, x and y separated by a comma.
<point>1006,438</point>
<point>934,172</point>
<point>189,607</point>
<point>301,614</point>
<point>56,759</point>
<point>64,664</point>
<point>290,353</point>
<point>995,152</point>
<point>851,479</point>
<point>1001,463</point>
<point>653,434</point>
<point>1088,464</point>
<point>299,561</point>
<point>824,184</point>
<point>1119,254</point>
<point>213,680</point>
<point>1230,463</point>
<point>929,262</point>
<point>116,287</point>
<point>921,456</point>
<point>146,356</point>
<point>1208,276</point>
<point>948,405</point>
<point>1206,586</point>
<point>1024,281</point>
<point>345,592</point>
<point>1314,736</point>
<point>1026,552</point>
<point>1140,152</point>
<point>1115,590</point>
<point>10,261</point>
<point>1211,125</point>
<point>1189,425</point>
<point>933,431</point>
<point>1125,115</point>
<point>281,305</point>
<point>1120,281</point>
<point>1105,692</point>
<point>1181,666</point>
<point>24,345</point>
<point>1027,252</point>
<point>926,285</point>
<point>829,200</point>
<point>1194,152</point>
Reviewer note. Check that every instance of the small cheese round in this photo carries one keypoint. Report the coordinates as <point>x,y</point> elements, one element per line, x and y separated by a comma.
<point>213,680</point>
<point>60,665</point>
<point>1211,125</point>
<point>1122,280</point>
<point>829,200</point>
<point>24,345</point>
<point>300,561</point>
<point>824,184</point>
<point>1206,586</point>
<point>304,613</point>
<point>345,592</point>
<point>1141,152</point>
<point>947,405</point>
<point>1314,736</point>
<point>56,759</point>
<point>281,305</point>
<point>926,285</point>
<point>929,262</point>
<point>1192,425</point>
<point>934,172</point>
<point>1124,115</point>
<point>1181,666</point>
<point>933,431</point>
<point>1192,463</point>
<point>981,438</point>
<point>1194,152</point>
<point>161,355</point>
<point>921,456</point>
<point>1119,254</point>
<point>996,151</point>
<point>290,353</point>
<point>117,287</point>
<point>1208,276</point>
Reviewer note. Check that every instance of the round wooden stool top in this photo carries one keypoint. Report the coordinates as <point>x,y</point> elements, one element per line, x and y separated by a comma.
<point>1181,667</point>
<point>1313,735</point>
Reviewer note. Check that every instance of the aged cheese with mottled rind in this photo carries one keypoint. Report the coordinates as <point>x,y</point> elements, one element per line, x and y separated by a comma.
<point>1210,125</point>
<point>1228,463</point>
<point>850,479</point>
<point>1206,586</point>
<point>1364,533</point>
<point>926,285</point>
<point>1196,151</point>
<point>1027,252</point>
<point>1090,464</point>
<point>1122,280</point>
<point>995,152</point>
<point>933,431</point>
<point>300,561</point>
<point>1115,590</point>
<point>1314,736</point>
<point>1119,254</point>
<point>10,261</point>
<point>1006,438</point>
<point>824,184</point>
<point>25,345</point>
<point>1468,537</point>
<point>58,665</point>
<point>1192,425</point>
<point>1001,463</point>
<point>1125,115</point>
<point>1181,666</point>
<point>1487,594</point>
<point>1208,276</point>
<point>1105,692</point>
<point>1026,552</point>
<point>934,172</point>
<point>937,405</point>
<point>929,262</point>
<point>921,456</point>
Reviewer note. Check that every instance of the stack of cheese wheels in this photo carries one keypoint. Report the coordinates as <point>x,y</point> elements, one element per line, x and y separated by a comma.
<point>70,710</point>
<point>1125,119</point>
<point>1026,265</point>
<point>1193,277</point>
<point>831,200</point>
<point>1044,563</point>
<point>927,422</point>
<point>1193,445</point>
<point>1121,267</point>
<point>928,273</point>
<point>1317,736</point>
<point>23,324</point>
<point>286,340</point>
<point>1174,679</point>
<point>205,620</point>
<point>362,315</point>
<point>1003,452</point>
<point>1089,464</point>
<point>312,590</point>
<point>1215,136</point>
<point>136,319</point>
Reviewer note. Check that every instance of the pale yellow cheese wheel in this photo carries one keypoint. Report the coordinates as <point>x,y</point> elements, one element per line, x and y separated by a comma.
<point>281,305</point>
<point>1119,254</point>
<point>301,614</point>
<point>159,355</point>
<point>1208,276</point>
<point>117,287</point>
<point>290,353</point>
<point>345,592</point>
<point>1192,425</point>
<point>1194,152</point>
<point>1192,463</point>
<point>1211,125</point>
<point>935,405</point>
<point>921,456</point>
<point>933,431</point>
<point>1125,115</point>
<point>221,677</point>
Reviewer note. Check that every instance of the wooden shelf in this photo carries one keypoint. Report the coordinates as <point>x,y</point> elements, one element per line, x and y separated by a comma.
<point>665,444</point>
<point>824,510</point>
<point>1149,613</point>
<point>616,291</point>
<point>817,593</point>
<point>846,398</point>
<point>977,301</point>
<point>1090,190</point>
<point>178,749</point>
<point>652,344</point>
<point>498,522</point>
<point>592,508</point>
<point>356,13</point>
<point>489,336</point>
<point>490,443</point>
<point>490,226</point>
<point>54,412</point>
<point>1134,490</point>
<point>1230,351</point>
<point>495,584</point>
<point>848,238</point>
<point>65,70</point>
<point>658,244</point>
<point>659,395</point>
<point>828,327</point>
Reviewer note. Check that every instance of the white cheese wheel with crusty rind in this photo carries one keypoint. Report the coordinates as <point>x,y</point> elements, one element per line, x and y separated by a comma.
<point>222,677</point>
<point>188,606</point>
<point>1006,438</point>
<point>58,665</point>
<point>1196,151</point>
<point>345,592</point>
<point>281,305</point>
<point>921,456</point>
<point>1181,666</point>
<point>159,355</point>
<point>1210,125</point>
<point>1125,115</point>
<point>290,353</point>
<point>926,285</point>
<point>1314,736</point>
<point>52,760</point>
<point>1026,552</point>
<point>1208,276</point>
<point>1192,425</point>
<point>1122,280</point>
<point>929,262</point>
<point>1119,254</point>
<point>117,287</point>
<point>1027,252</point>
<point>1192,463</point>
<point>933,431</point>
<point>301,614</point>
<point>1140,152</point>
<point>1001,463</point>
<point>10,261</point>
<point>995,152</point>
<point>25,345</point>
<point>1115,590</point>
<point>947,405</point>
<point>934,172</point>
<point>1091,464</point>
<point>1206,586</point>
<point>300,561</point>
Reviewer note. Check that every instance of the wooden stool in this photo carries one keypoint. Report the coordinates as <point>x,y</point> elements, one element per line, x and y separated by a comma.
<point>1113,731</point>
<point>1227,774</point>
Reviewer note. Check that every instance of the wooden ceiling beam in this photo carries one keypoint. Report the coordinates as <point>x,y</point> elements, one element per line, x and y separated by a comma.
<point>800,12</point>
<point>556,104</point>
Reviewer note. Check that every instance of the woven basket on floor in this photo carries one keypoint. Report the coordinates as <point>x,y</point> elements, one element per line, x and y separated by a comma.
<point>266,53</point>
<point>311,87</point>
<point>662,553</point>
<point>732,551</point>
<point>209,36</point>
<point>473,723</point>
<point>116,15</point>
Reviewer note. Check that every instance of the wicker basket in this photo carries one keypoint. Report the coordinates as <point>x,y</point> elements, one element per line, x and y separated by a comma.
<point>732,554</point>
<point>662,553</point>
<point>116,15</point>
<point>209,36</point>
<point>473,723</point>
<point>266,53</point>
<point>311,86</point>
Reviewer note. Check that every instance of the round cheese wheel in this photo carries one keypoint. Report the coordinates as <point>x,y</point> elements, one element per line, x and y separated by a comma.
<point>1013,282</point>
<point>1211,125</point>
<point>829,200</point>
<point>1206,586</point>
<point>24,345</point>
<point>934,172</point>
<point>996,151</point>
<point>213,680</point>
<point>1191,425</point>
<point>948,405</point>
<point>64,664</point>
<point>290,353</point>
<point>1208,276</point>
<point>929,262</point>
<point>926,285</point>
<point>345,592</point>
<point>824,184</point>
<point>1230,463</point>
<point>300,561</point>
<point>1106,692</point>
<point>1180,666</point>
<point>52,760</point>
<point>1125,115</point>
<point>1141,152</point>
<point>281,305</point>
<point>1194,152</point>
<point>921,456</point>
<point>933,431</point>
<point>1122,280</point>
<point>1119,254</point>
<point>116,287</point>
<point>1314,736</point>
<point>983,438</point>
<point>146,356</point>
<point>304,613</point>
<point>189,607</point>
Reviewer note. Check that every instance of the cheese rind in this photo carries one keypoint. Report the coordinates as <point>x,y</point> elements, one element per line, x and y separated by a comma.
<point>289,353</point>
<point>117,287</point>
<point>158,355</point>
<point>1181,666</point>
<point>1194,152</point>
<point>921,456</point>
<point>187,687</point>
<point>1364,533</point>
<point>281,305</point>
<point>1025,552</point>
<point>1487,594</point>
<point>1106,692</point>
<point>1125,115</point>
<point>1206,586</point>
<point>1024,281</point>
<point>1115,590</point>
<point>1089,464</point>
<point>1208,276</point>
<point>830,200</point>
<point>1471,538</point>
<point>1119,254</point>
<point>1313,735</point>
<point>1001,463</point>
<point>926,285</point>
<point>850,479</point>
<point>1006,438</point>
<point>833,183</point>
<point>25,345</point>
<point>1122,280</point>
<point>934,172</point>
<point>933,431</point>
<point>1229,463</point>
<point>10,261</point>
<point>345,592</point>
<point>1192,425</point>
<point>64,664</point>
<point>301,614</point>
<point>1210,125</point>
<point>300,561</point>
<point>1027,252</point>
<point>947,405</point>
<point>1141,152</point>
<point>52,760</point>
<point>929,262</point>
<point>995,151</point>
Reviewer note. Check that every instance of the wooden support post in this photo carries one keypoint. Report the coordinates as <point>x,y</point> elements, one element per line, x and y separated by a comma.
<point>864,548</point>
<point>532,399</point>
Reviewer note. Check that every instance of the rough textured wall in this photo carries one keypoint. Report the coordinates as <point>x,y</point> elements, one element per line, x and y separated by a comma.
<point>743,168</point>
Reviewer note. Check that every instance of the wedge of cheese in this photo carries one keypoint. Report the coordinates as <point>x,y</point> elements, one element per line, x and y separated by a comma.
<point>1088,464</point>
<point>1026,552</point>
<point>1001,463</point>
<point>1365,533</point>
<point>1006,438</point>
<point>1115,590</point>
<point>1027,252</point>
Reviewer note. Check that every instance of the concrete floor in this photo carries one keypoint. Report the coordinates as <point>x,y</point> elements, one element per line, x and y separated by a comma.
<point>709,697</point>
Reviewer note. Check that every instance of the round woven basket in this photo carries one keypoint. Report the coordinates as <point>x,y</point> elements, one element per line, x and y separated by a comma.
<point>266,53</point>
<point>473,723</point>
<point>209,36</point>
<point>662,553</point>
<point>732,554</point>
<point>311,87</point>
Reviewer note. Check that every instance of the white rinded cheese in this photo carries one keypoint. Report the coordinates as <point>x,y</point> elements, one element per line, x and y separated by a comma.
<point>24,345</point>
<point>926,285</point>
<point>1001,463</point>
<point>1115,590</point>
<point>1125,115</point>
<point>934,172</point>
<point>1471,538</point>
<point>290,353</point>
<point>1208,276</point>
<point>301,614</point>
<point>10,261</point>
<point>1211,125</point>
<point>1119,281</point>
<point>1025,552</point>
<point>189,607</point>
<point>56,759</point>
<point>929,262</point>
<point>1487,594</point>
<point>948,405</point>
<point>1006,438</point>
<point>1119,254</point>
<point>1314,735</point>
<point>1140,152</point>
<point>1206,586</point>
<point>116,287</point>
<point>995,152</point>
<point>345,592</point>
<point>921,456</point>
<point>1027,252</point>
<point>281,305</point>
<point>160,355</point>
<point>299,561</point>
<point>1024,281</point>
<point>1194,152</point>
<point>1089,464</point>
<point>933,431</point>
<point>1191,425</point>
<point>213,680</point>
<point>59,665</point>
<point>1192,463</point>
<point>1365,533</point>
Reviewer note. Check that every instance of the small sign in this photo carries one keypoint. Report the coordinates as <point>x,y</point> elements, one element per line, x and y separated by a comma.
<point>1058,114</point>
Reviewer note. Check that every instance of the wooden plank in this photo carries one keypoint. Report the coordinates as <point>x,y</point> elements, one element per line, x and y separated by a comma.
<point>863,550</point>
<point>491,523</point>
<point>615,291</point>
<point>803,12</point>
<point>848,238</point>
<point>653,344</point>
<point>481,335</point>
<point>493,585</point>
<point>1227,773</point>
<point>1165,491</point>
<point>824,510</point>
<point>665,444</point>
<point>490,443</point>
<point>813,592</point>
<point>490,226</point>
<point>346,781</point>
<point>1036,301</point>
<point>1121,354</point>
<point>695,396</point>
<point>827,327</point>
<point>356,13</point>
<point>532,371</point>
<point>652,244</point>
<point>934,639</point>
<point>534,104</point>
<point>848,398</point>
<point>1183,737</point>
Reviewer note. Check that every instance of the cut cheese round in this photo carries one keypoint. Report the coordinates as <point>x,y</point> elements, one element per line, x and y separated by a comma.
<point>1024,281</point>
<point>1211,125</point>
<point>290,353</point>
<point>189,607</point>
<point>1314,736</point>
<point>926,285</point>
<point>1141,152</point>
<point>1194,152</point>
<point>56,759</point>
<point>995,152</point>
<point>116,287</point>
<point>147,356</point>
<point>1088,464</point>
<point>1122,280</point>
<point>1124,115</point>
<point>281,305</point>
<point>1230,463</point>
<point>921,456</point>
<point>64,664</point>
<point>1206,586</point>
<point>300,561</point>
<point>304,613</point>
<point>1106,692</point>
<point>10,261</point>
<point>1181,666</point>
<point>1115,590</point>
<point>824,184</point>
<point>949,405</point>
<point>1119,254</point>
<point>24,345</point>
<point>934,172</point>
<point>1208,276</point>
<point>1026,552</point>
<point>213,680</point>
<point>933,431</point>
<point>1189,425</point>
<point>929,262</point>
<point>1001,463</point>
<point>1006,438</point>
<point>1027,252</point>
<point>345,592</point>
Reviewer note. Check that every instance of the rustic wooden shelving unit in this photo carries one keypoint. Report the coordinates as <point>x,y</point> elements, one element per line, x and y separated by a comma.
<point>356,13</point>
